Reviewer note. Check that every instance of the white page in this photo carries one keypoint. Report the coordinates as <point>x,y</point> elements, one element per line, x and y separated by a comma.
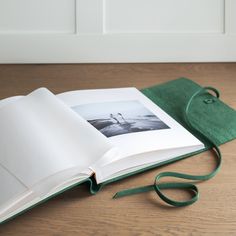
<point>11,187</point>
<point>9,100</point>
<point>41,136</point>
<point>131,143</point>
<point>132,163</point>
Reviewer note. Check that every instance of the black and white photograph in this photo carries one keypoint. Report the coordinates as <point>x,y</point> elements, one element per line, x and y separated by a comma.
<point>120,117</point>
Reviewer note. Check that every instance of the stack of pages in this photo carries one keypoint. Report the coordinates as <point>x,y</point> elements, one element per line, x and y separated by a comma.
<point>50,142</point>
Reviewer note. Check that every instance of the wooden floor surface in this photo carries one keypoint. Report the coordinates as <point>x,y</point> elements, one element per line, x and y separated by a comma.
<point>76,212</point>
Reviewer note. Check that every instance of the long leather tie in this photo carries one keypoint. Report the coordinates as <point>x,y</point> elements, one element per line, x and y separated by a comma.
<point>191,187</point>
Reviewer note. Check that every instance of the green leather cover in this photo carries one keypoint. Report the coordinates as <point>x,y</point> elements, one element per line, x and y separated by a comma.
<point>214,119</point>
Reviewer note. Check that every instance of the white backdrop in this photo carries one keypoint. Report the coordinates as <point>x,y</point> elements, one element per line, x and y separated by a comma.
<point>70,31</point>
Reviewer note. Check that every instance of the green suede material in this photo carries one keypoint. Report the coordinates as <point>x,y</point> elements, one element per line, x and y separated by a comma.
<point>215,120</point>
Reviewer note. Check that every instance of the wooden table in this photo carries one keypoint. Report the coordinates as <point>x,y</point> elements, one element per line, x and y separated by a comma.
<point>76,212</point>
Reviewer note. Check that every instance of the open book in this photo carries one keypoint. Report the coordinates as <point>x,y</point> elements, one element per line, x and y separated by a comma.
<point>50,142</point>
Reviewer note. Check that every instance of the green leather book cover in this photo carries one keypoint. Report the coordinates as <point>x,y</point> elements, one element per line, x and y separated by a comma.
<point>208,114</point>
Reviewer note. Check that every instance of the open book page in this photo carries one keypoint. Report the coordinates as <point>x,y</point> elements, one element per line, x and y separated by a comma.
<point>9,100</point>
<point>134,125</point>
<point>43,145</point>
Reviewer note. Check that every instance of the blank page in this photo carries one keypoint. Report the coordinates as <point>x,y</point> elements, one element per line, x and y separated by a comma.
<point>10,186</point>
<point>41,136</point>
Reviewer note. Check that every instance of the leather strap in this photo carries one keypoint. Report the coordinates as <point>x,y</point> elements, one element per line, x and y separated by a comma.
<point>176,185</point>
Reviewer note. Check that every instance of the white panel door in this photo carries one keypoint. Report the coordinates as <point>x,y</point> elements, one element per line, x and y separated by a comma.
<point>79,31</point>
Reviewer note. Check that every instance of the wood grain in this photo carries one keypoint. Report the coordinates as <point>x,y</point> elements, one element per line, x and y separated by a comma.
<point>76,212</point>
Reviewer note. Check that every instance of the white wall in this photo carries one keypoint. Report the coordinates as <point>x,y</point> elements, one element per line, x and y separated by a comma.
<point>65,31</point>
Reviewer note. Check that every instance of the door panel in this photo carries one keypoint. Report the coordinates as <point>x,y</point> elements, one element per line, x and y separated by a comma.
<point>78,31</point>
<point>164,16</point>
<point>37,16</point>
